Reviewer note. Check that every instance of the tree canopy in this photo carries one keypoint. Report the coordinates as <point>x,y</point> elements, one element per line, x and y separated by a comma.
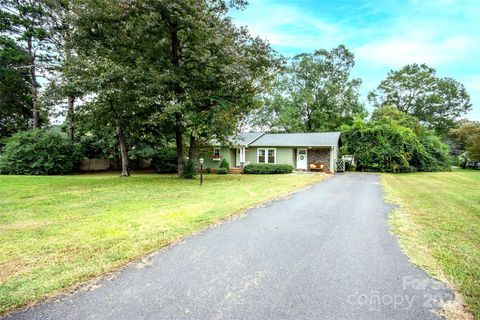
<point>181,64</point>
<point>314,93</point>
<point>27,22</point>
<point>415,89</point>
<point>139,77</point>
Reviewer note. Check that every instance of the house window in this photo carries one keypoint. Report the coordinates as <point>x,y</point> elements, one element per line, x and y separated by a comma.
<point>267,155</point>
<point>216,153</point>
<point>261,155</point>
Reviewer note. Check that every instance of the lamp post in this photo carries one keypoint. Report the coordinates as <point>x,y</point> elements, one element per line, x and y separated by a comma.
<point>201,171</point>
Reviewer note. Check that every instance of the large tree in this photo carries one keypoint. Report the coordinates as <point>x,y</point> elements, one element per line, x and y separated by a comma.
<point>315,93</point>
<point>190,67</point>
<point>227,84</point>
<point>112,66</point>
<point>62,90</point>
<point>27,23</point>
<point>416,90</point>
<point>213,72</point>
<point>15,95</point>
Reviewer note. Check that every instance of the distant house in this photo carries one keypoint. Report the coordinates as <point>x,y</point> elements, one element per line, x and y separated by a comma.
<point>304,151</point>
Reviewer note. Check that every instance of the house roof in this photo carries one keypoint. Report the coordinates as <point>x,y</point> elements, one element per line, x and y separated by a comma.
<point>245,138</point>
<point>314,139</point>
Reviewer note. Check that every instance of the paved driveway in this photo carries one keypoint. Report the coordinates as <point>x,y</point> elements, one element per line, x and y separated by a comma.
<point>323,253</point>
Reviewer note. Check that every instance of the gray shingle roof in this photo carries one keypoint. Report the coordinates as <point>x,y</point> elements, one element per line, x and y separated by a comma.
<point>314,139</point>
<point>244,138</point>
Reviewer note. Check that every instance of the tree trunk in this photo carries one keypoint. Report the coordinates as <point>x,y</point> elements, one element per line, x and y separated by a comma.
<point>175,52</point>
<point>33,83</point>
<point>179,142</point>
<point>71,118</point>
<point>123,152</point>
<point>192,146</point>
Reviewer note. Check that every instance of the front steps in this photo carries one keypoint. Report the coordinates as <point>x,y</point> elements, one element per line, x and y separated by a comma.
<point>235,170</point>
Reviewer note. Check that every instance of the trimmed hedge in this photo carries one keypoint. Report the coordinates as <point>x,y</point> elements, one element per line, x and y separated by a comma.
<point>267,169</point>
<point>222,171</point>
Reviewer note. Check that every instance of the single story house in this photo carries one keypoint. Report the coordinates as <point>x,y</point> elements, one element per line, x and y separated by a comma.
<point>301,150</point>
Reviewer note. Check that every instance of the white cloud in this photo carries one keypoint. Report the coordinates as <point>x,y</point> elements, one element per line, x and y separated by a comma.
<point>397,52</point>
<point>287,26</point>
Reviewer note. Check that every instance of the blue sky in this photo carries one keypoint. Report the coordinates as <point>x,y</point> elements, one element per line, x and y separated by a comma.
<point>383,35</point>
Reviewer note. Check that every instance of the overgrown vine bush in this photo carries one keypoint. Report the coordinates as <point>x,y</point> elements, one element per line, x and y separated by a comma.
<point>392,141</point>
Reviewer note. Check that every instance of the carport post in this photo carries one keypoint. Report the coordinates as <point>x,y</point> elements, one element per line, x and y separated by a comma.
<point>332,159</point>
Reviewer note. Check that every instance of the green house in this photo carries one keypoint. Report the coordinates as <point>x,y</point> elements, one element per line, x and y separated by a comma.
<point>304,151</point>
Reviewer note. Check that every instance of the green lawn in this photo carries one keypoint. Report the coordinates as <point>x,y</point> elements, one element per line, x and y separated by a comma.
<point>439,226</point>
<point>58,231</point>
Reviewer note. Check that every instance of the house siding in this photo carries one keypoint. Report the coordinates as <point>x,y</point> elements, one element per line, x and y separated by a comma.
<point>207,154</point>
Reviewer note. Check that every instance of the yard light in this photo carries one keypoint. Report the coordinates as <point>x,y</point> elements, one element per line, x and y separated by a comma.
<point>201,171</point>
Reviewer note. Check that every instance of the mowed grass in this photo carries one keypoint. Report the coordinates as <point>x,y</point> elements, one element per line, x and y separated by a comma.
<point>439,226</point>
<point>58,231</point>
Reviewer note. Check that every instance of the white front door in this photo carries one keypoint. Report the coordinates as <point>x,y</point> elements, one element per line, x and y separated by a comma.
<point>302,159</point>
<point>237,157</point>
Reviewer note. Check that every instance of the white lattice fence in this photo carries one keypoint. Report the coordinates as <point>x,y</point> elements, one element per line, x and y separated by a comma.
<point>340,165</point>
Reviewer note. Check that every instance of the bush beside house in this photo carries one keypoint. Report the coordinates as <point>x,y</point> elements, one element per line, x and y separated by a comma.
<point>224,164</point>
<point>267,169</point>
<point>222,171</point>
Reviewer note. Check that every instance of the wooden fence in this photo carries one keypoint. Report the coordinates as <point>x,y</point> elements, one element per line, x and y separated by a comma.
<point>94,164</point>
<point>109,164</point>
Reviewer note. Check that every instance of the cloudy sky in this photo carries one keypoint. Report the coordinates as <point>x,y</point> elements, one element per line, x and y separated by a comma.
<point>383,34</point>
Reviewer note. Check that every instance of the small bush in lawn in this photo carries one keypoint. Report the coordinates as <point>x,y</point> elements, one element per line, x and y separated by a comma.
<point>165,161</point>
<point>208,170</point>
<point>267,169</point>
<point>224,164</point>
<point>222,171</point>
<point>38,152</point>
<point>189,169</point>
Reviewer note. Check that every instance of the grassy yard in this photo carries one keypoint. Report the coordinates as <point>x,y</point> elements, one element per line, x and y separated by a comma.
<point>439,226</point>
<point>58,231</point>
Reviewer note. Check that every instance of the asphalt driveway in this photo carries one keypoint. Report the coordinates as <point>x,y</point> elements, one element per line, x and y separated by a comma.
<point>323,253</point>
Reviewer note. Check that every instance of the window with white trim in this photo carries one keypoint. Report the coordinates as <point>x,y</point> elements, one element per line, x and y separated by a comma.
<point>216,153</point>
<point>267,155</point>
